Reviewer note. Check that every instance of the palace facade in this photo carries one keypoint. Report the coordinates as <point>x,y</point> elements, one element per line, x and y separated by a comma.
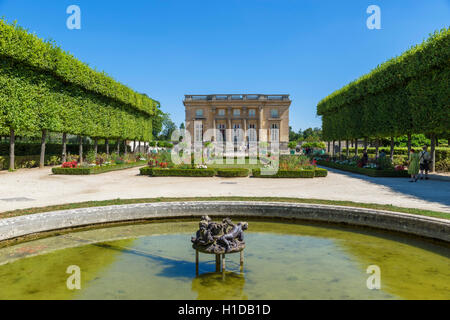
<point>238,118</point>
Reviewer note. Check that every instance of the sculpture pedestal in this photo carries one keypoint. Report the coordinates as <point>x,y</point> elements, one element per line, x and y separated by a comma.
<point>220,259</point>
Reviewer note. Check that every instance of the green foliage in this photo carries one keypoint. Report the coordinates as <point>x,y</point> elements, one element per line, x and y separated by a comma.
<point>53,161</point>
<point>26,149</point>
<point>175,172</point>
<point>407,94</point>
<point>232,172</point>
<point>320,172</point>
<point>317,145</point>
<point>46,58</point>
<point>365,171</point>
<point>44,88</point>
<point>96,170</point>
<point>285,174</point>
<point>292,145</point>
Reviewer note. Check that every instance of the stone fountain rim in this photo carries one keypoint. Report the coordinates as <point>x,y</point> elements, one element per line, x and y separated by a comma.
<point>423,226</point>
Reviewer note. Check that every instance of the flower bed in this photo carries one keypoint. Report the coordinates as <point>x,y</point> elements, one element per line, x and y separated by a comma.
<point>177,172</point>
<point>366,171</point>
<point>96,169</point>
<point>232,172</point>
<point>310,173</point>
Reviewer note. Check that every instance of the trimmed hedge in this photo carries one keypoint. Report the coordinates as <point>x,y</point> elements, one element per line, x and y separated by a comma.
<point>407,94</point>
<point>285,174</point>
<point>174,172</point>
<point>441,152</point>
<point>232,172</point>
<point>55,149</point>
<point>320,172</point>
<point>364,171</point>
<point>96,170</point>
<point>47,58</point>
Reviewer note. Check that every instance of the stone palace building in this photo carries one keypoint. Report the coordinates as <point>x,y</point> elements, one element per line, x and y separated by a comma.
<point>235,115</point>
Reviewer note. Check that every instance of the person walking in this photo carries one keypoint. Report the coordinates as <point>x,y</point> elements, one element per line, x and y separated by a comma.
<point>413,168</point>
<point>424,161</point>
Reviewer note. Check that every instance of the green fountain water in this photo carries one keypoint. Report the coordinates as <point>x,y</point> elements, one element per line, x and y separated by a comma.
<point>282,261</point>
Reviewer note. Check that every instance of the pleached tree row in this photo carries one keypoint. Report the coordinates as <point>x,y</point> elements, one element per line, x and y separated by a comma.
<point>44,89</point>
<point>406,95</point>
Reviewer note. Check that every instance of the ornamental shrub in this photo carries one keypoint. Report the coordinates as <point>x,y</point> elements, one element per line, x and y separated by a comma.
<point>232,172</point>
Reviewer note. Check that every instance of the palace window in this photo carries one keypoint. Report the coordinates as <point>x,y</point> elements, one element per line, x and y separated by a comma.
<point>252,132</point>
<point>236,112</point>
<point>274,113</point>
<point>251,112</point>
<point>199,113</point>
<point>198,134</point>
<point>274,132</point>
<point>221,112</point>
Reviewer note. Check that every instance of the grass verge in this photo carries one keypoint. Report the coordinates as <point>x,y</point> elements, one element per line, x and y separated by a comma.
<point>89,204</point>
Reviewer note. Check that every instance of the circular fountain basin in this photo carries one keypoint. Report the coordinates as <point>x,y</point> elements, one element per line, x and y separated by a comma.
<point>283,260</point>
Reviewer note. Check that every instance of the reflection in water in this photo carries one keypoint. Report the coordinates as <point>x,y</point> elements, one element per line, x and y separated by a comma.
<point>282,261</point>
<point>218,286</point>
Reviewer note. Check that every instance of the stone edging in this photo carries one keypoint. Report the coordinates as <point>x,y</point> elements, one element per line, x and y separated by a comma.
<point>429,227</point>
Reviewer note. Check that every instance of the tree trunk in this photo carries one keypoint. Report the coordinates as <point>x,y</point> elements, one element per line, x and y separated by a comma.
<point>42,158</point>
<point>377,148</point>
<point>332,149</point>
<point>392,149</point>
<point>139,146</point>
<point>125,145</point>
<point>80,151</point>
<point>365,144</point>
<point>118,146</point>
<point>329,149</point>
<point>340,150</point>
<point>134,146</point>
<point>12,141</point>
<point>433,153</point>
<point>64,148</point>
<point>107,146</point>
<point>96,147</point>
<point>409,143</point>
<point>356,147</point>
<point>348,148</point>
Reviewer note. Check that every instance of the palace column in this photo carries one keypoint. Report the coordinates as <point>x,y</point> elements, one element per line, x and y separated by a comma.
<point>229,129</point>
<point>260,124</point>
<point>214,138</point>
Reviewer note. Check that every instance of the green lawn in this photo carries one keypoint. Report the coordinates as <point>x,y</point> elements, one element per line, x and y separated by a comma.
<point>88,204</point>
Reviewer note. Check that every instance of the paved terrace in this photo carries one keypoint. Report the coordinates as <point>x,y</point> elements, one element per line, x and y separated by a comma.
<point>38,187</point>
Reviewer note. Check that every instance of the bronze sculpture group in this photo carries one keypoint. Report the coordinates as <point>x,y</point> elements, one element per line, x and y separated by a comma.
<point>219,238</point>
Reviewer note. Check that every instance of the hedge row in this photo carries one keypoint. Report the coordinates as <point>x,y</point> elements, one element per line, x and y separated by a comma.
<point>232,172</point>
<point>173,172</point>
<point>286,174</point>
<point>96,170</point>
<point>31,102</point>
<point>364,171</point>
<point>441,153</point>
<point>46,58</point>
<point>320,172</point>
<point>22,161</point>
<point>407,94</point>
<point>26,149</point>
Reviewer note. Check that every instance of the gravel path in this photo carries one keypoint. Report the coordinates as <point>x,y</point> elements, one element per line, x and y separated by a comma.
<point>38,187</point>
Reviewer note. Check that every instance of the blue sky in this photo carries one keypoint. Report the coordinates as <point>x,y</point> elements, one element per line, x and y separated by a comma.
<point>168,48</point>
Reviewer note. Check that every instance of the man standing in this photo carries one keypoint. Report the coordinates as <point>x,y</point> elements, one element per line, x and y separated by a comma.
<point>424,160</point>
